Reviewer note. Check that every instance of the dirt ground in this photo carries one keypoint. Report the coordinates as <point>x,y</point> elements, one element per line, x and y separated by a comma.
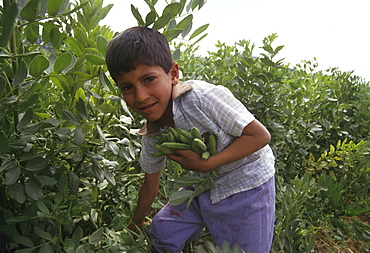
<point>326,244</point>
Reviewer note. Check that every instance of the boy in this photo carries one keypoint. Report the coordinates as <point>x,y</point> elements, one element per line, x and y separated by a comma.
<point>240,209</point>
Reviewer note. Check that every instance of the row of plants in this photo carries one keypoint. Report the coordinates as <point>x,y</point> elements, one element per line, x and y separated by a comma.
<point>319,125</point>
<point>69,172</point>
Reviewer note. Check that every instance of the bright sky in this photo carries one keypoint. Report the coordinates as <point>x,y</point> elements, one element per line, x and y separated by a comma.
<point>336,32</point>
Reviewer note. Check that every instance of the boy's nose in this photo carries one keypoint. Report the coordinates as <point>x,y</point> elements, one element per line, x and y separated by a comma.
<point>141,94</point>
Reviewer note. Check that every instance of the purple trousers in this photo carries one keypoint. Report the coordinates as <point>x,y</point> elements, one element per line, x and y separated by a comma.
<point>245,219</point>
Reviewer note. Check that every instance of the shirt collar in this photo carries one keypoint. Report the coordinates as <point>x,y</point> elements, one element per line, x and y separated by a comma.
<point>179,89</point>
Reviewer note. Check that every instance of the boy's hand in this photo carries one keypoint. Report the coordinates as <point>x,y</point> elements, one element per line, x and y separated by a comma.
<point>189,160</point>
<point>254,137</point>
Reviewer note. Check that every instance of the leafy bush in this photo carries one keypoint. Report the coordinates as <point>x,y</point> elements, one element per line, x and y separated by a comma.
<point>319,128</point>
<point>69,173</point>
<point>58,109</point>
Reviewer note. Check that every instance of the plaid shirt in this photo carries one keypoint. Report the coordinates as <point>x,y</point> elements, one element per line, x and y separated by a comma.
<point>213,108</point>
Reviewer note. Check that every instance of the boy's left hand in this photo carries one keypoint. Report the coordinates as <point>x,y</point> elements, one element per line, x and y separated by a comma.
<point>189,160</point>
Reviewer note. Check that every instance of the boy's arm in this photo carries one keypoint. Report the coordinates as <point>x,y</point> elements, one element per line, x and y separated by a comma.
<point>147,194</point>
<point>254,137</point>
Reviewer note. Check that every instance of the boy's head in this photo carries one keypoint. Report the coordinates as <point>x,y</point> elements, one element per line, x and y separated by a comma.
<point>137,45</point>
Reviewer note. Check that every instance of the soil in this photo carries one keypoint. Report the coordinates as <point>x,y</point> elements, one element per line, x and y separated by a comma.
<point>325,243</point>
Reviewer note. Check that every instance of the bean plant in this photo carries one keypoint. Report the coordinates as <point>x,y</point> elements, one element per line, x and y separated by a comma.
<point>69,170</point>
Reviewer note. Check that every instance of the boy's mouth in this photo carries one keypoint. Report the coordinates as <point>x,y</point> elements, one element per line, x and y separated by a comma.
<point>147,108</point>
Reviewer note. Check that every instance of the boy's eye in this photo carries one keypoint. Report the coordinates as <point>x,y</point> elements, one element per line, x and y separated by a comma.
<point>149,79</point>
<point>126,87</point>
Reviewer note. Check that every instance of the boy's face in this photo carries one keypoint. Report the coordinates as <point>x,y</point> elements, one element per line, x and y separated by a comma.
<point>147,90</point>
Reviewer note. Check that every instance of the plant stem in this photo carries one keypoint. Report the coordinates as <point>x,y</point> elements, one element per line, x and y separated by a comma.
<point>13,50</point>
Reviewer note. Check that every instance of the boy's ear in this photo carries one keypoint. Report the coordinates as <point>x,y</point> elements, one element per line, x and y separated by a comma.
<point>174,72</point>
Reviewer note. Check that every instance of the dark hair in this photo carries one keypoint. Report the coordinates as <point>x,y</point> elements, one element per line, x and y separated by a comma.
<point>137,45</point>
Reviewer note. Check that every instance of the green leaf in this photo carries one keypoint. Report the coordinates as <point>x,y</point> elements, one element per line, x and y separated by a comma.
<point>45,235</point>
<point>17,145</point>
<point>7,165</point>
<point>4,142</point>
<point>27,250</point>
<point>110,177</point>
<point>33,188</point>
<point>52,122</point>
<point>171,25</point>
<point>75,47</point>
<point>106,108</point>
<point>183,2</point>
<point>8,21</point>
<point>125,108</point>
<point>204,35</point>
<point>63,61</point>
<point>36,164</point>
<point>137,15</point>
<point>23,240</point>
<point>46,180</point>
<point>47,248</point>
<point>54,7</point>
<point>173,9</point>
<point>80,249</point>
<point>95,237</point>
<point>8,101</point>
<point>32,128</point>
<point>194,4</point>
<point>107,84</point>
<point>185,22</point>
<point>131,149</point>
<point>79,136</point>
<point>46,29</point>
<point>198,31</point>
<point>43,208</point>
<point>12,175</point>
<point>77,236</point>
<point>356,211</point>
<point>20,73</point>
<point>70,117</point>
<point>17,219</point>
<point>199,190</point>
<point>82,109</point>
<point>185,181</point>
<point>56,37</point>
<point>32,32</point>
<point>29,12</point>
<point>162,21</point>
<point>26,119</point>
<point>176,54</point>
<point>95,59</point>
<point>38,65</point>
<point>73,182</point>
<point>2,85</point>
<point>100,132</point>
<point>101,14</point>
<point>81,36</point>
<point>150,18</point>
<point>171,34</point>
<point>180,197</point>
<point>101,44</point>
<point>42,115</point>
<point>16,192</point>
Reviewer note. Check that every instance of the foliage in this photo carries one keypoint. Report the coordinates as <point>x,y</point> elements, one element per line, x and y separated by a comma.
<point>319,125</point>
<point>343,169</point>
<point>69,173</point>
<point>292,225</point>
<point>68,152</point>
<point>58,158</point>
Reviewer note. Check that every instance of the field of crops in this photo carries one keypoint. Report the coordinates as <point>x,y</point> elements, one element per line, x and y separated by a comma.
<point>69,170</point>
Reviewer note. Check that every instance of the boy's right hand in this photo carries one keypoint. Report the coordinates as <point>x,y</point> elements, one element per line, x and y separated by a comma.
<point>190,160</point>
